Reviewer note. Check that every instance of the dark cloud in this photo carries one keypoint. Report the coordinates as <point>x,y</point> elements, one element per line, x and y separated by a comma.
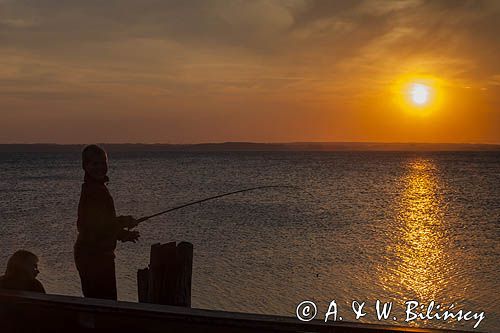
<point>273,28</point>
<point>46,24</point>
<point>180,49</point>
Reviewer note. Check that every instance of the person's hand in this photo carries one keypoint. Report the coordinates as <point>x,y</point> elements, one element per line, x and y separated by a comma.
<point>131,236</point>
<point>127,221</point>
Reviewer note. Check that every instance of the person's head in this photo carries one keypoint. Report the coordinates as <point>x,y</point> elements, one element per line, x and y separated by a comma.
<point>95,161</point>
<point>23,264</point>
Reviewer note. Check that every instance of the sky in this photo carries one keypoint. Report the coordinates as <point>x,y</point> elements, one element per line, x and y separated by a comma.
<point>182,71</point>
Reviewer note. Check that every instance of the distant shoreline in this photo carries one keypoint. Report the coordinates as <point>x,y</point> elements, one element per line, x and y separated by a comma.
<point>251,146</point>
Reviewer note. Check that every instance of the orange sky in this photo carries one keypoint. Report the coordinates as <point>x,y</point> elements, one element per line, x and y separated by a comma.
<point>263,71</point>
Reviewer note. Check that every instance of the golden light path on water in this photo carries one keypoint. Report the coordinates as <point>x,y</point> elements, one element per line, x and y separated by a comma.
<point>419,266</point>
<point>421,250</point>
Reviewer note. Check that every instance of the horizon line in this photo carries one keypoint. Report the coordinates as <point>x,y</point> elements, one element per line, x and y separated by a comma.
<point>257,142</point>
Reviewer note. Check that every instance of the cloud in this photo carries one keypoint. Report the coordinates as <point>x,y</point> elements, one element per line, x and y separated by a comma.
<point>315,51</point>
<point>278,30</point>
<point>214,22</point>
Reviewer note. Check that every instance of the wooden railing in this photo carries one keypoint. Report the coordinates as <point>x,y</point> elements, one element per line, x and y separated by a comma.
<point>33,312</point>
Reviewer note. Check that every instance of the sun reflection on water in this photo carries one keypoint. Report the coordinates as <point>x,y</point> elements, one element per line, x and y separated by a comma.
<point>417,259</point>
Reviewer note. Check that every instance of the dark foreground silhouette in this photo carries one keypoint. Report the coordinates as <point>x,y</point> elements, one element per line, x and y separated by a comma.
<point>99,228</point>
<point>21,272</point>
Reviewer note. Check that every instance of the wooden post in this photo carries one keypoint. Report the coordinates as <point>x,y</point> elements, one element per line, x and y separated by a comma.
<point>142,284</point>
<point>162,270</point>
<point>184,270</point>
<point>169,276</point>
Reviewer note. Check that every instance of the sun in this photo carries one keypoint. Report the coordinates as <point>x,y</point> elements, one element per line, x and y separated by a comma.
<point>419,94</point>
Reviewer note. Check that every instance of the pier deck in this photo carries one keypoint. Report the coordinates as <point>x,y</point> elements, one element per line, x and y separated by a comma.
<point>32,312</point>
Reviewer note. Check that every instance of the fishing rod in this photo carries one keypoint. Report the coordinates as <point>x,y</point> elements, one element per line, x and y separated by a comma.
<point>145,218</point>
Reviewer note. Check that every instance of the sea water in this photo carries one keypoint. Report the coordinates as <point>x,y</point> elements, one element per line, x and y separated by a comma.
<point>392,227</point>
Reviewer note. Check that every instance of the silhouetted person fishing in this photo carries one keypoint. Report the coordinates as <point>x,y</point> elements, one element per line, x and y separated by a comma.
<point>21,272</point>
<point>99,228</point>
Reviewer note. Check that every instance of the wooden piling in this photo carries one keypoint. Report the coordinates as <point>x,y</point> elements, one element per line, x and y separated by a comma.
<point>142,284</point>
<point>184,269</point>
<point>168,279</point>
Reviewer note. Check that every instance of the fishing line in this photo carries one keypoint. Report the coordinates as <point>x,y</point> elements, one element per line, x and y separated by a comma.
<point>145,218</point>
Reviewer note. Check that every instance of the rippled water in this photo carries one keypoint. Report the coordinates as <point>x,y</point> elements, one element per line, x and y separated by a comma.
<point>389,226</point>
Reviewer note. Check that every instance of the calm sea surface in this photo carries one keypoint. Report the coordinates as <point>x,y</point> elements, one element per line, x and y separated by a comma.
<point>378,225</point>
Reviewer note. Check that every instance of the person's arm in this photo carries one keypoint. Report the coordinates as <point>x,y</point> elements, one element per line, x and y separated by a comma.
<point>127,221</point>
<point>128,236</point>
<point>96,213</point>
<point>98,217</point>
